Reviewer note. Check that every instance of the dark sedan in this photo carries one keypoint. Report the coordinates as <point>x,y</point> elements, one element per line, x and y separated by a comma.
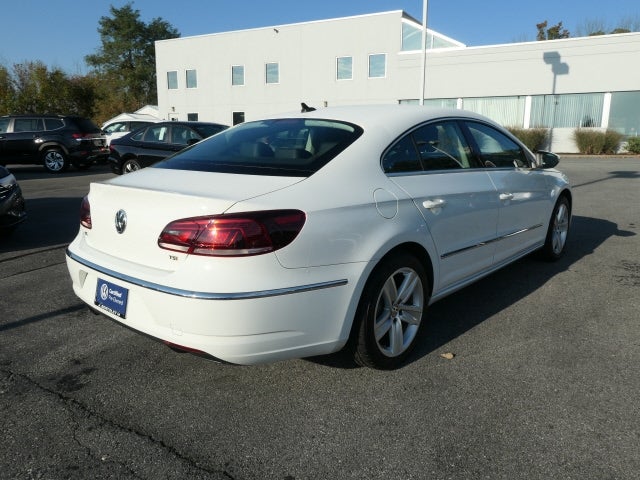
<point>155,142</point>
<point>12,207</point>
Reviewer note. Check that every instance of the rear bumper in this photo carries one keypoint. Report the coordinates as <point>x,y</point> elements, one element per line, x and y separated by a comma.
<point>239,327</point>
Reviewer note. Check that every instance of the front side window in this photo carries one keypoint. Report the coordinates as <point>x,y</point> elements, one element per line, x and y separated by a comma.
<point>289,147</point>
<point>378,65</point>
<point>237,75</point>
<point>496,149</point>
<point>172,80</point>
<point>272,73</point>
<point>344,68</point>
<point>192,78</point>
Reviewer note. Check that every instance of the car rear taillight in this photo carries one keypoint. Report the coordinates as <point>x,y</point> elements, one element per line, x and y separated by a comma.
<point>79,135</point>
<point>233,235</point>
<point>85,213</point>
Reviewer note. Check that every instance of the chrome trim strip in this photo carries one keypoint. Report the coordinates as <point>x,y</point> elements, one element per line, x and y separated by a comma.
<point>488,242</point>
<point>206,295</point>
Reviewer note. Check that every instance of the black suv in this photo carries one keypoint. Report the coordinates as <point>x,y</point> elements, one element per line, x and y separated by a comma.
<point>54,141</point>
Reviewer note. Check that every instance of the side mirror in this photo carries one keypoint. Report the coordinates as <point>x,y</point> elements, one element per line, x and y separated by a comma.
<point>547,159</point>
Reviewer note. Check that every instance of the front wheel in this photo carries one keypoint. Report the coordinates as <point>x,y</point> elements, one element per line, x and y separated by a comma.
<point>391,312</point>
<point>558,230</point>
<point>54,160</point>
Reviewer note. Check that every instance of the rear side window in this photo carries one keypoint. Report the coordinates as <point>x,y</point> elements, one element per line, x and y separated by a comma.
<point>53,123</point>
<point>296,147</point>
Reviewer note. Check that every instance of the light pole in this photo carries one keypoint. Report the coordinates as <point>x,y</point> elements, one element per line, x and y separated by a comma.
<point>423,73</point>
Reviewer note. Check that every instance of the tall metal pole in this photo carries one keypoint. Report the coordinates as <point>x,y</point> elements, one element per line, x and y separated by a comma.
<point>423,73</point>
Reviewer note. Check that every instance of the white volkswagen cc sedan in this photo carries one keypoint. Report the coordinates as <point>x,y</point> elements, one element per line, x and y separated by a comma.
<point>300,234</point>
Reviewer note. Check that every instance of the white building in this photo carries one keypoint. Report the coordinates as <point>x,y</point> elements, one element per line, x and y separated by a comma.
<point>560,84</point>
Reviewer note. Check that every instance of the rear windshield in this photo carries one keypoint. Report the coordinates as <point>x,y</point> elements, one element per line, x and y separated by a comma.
<point>208,130</point>
<point>296,147</point>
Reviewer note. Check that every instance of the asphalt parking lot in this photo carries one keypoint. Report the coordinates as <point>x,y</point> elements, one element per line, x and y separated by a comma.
<point>543,383</point>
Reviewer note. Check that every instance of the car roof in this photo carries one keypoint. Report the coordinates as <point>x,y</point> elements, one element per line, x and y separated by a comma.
<point>400,117</point>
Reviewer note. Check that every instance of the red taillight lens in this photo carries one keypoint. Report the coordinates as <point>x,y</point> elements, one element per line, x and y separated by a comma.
<point>234,234</point>
<point>79,135</point>
<point>85,213</point>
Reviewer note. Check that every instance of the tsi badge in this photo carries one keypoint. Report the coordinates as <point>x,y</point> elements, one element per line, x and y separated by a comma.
<point>121,221</point>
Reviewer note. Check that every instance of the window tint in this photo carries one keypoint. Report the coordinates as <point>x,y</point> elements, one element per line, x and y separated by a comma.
<point>182,135</point>
<point>27,125</point>
<point>296,147</point>
<point>53,123</point>
<point>4,125</point>
<point>496,149</point>
<point>435,146</point>
<point>156,134</point>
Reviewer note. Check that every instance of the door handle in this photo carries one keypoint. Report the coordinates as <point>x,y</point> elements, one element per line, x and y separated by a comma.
<point>506,196</point>
<point>436,203</point>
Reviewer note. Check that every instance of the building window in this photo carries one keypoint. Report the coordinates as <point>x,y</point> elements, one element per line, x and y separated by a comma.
<point>272,73</point>
<point>172,80</point>
<point>623,116</point>
<point>344,68</point>
<point>567,111</point>
<point>504,110</point>
<point>238,117</point>
<point>192,79</point>
<point>192,117</point>
<point>378,65</point>
<point>237,75</point>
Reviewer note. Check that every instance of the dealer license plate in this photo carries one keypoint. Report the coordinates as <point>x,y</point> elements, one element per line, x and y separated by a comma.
<point>112,298</point>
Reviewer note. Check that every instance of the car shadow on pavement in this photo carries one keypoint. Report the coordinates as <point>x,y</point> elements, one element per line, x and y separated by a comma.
<point>458,313</point>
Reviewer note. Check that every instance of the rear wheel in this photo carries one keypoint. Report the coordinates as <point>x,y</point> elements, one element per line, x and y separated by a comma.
<point>391,312</point>
<point>558,230</point>
<point>54,160</point>
<point>130,165</point>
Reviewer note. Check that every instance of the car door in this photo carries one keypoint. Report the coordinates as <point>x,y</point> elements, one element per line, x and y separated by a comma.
<point>458,201</point>
<point>523,193</point>
<point>21,144</point>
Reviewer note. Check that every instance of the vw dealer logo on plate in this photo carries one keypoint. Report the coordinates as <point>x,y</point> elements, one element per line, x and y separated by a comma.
<point>121,221</point>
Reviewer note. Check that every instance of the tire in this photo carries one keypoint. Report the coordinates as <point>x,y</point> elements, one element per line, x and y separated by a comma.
<point>558,231</point>
<point>54,160</point>
<point>386,329</point>
<point>130,165</point>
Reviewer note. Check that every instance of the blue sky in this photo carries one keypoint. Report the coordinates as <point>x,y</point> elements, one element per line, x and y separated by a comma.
<point>60,33</point>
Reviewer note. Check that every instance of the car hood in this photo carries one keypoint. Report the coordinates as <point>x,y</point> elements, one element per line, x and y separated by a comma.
<point>152,198</point>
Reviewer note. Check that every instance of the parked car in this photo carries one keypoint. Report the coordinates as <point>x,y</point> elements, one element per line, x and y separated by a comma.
<point>54,141</point>
<point>298,235</point>
<point>155,142</point>
<point>12,205</point>
<point>120,128</point>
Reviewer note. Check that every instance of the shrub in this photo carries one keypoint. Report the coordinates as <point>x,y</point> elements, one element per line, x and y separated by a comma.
<point>596,142</point>
<point>633,145</point>
<point>533,138</point>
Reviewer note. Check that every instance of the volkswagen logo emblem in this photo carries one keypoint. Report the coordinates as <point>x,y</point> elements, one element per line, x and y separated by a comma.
<point>121,221</point>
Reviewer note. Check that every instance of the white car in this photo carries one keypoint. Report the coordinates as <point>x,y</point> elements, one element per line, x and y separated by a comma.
<point>301,234</point>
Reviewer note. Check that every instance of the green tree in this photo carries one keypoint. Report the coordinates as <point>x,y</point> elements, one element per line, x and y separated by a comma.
<point>7,91</point>
<point>551,33</point>
<point>125,62</point>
